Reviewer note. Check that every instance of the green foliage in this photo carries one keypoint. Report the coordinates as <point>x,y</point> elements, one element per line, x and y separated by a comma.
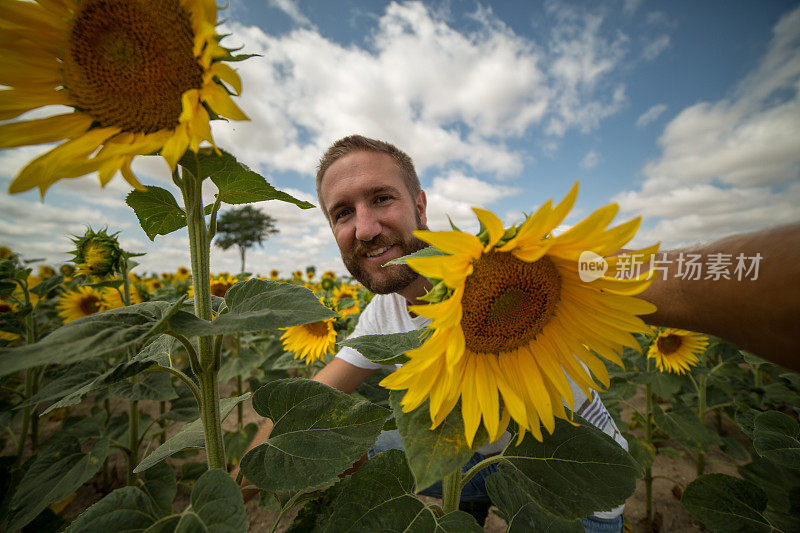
<point>157,210</point>
<point>725,503</point>
<point>380,497</point>
<point>521,513</point>
<point>92,336</point>
<point>256,305</point>
<point>776,438</point>
<point>319,432</point>
<point>560,474</point>
<point>387,349</point>
<point>682,424</point>
<point>215,505</point>
<point>432,453</point>
<point>190,436</point>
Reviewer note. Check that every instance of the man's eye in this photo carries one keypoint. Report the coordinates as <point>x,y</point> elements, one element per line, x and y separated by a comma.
<point>383,198</point>
<point>341,214</point>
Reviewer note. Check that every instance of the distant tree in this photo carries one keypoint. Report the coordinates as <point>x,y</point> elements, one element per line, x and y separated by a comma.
<point>244,227</point>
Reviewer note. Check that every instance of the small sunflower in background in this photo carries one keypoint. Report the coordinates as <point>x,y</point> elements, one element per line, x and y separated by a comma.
<point>153,284</point>
<point>46,271</point>
<point>297,275</point>
<point>112,298</point>
<point>273,275</point>
<point>310,342</point>
<point>329,274</point>
<point>676,350</point>
<point>343,292</point>
<point>67,271</point>
<point>81,302</point>
<point>97,253</point>
<point>182,274</point>
<point>221,283</point>
<point>327,284</point>
<point>6,253</point>
<point>513,319</point>
<point>7,307</point>
<point>140,77</point>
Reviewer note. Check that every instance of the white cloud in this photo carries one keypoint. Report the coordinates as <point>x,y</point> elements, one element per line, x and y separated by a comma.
<point>650,115</point>
<point>654,48</point>
<point>291,8</point>
<point>731,165</point>
<point>454,194</point>
<point>442,94</point>
<point>591,160</point>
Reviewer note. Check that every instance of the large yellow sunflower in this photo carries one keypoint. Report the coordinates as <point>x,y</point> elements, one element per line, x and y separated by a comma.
<point>676,350</point>
<point>140,75</point>
<point>518,320</point>
<point>310,342</point>
<point>112,297</point>
<point>81,302</point>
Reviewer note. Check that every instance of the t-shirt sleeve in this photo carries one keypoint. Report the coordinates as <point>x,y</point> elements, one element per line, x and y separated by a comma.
<point>365,326</point>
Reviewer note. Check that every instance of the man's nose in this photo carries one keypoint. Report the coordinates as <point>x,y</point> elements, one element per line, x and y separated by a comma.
<point>367,225</point>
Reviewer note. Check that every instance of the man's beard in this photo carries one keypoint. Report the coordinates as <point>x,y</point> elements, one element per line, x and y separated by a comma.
<point>391,278</point>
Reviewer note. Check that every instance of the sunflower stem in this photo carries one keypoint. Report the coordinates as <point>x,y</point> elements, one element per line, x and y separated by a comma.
<point>199,247</point>
<point>133,406</point>
<point>30,377</point>
<point>451,491</point>
<point>701,412</point>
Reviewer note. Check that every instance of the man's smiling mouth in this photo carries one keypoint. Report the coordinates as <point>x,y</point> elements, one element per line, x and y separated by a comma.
<point>376,252</point>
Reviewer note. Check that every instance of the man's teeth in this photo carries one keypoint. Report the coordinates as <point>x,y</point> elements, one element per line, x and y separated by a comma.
<point>377,251</point>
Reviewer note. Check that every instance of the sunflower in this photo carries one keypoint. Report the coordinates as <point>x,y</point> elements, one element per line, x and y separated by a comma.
<point>221,284</point>
<point>182,274</point>
<point>676,350</point>
<point>140,75</point>
<point>345,291</point>
<point>310,342</point>
<point>273,275</point>
<point>297,275</point>
<point>81,302</point>
<point>6,253</point>
<point>112,298</point>
<point>517,320</point>
<point>7,307</point>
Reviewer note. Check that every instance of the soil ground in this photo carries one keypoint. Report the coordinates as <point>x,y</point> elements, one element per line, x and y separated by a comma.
<point>671,477</point>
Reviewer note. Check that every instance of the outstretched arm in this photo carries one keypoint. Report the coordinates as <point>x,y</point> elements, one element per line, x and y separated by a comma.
<point>759,314</point>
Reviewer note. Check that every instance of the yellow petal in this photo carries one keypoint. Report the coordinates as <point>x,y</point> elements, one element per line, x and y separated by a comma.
<point>452,242</point>
<point>220,101</point>
<point>224,72</point>
<point>486,391</point>
<point>14,102</point>
<point>470,411</point>
<point>563,208</point>
<point>176,146</point>
<point>493,225</point>
<point>44,130</point>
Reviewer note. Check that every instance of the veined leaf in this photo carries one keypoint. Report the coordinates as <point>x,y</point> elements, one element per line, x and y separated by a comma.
<point>125,509</point>
<point>726,503</point>
<point>190,436</point>
<point>54,475</point>
<point>683,425</point>
<point>433,453</point>
<point>319,432</point>
<point>216,505</point>
<point>91,336</point>
<point>387,349</point>
<point>157,211</point>
<point>430,251</point>
<point>777,438</point>
<point>379,497</point>
<point>561,474</point>
<point>521,513</point>
<point>256,305</point>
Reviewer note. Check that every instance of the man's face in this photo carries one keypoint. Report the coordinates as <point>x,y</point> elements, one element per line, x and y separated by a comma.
<point>373,215</point>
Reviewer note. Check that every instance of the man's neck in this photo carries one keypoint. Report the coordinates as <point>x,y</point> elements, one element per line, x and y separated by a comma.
<point>415,290</point>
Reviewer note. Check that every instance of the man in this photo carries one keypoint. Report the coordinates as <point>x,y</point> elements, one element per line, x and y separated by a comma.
<point>372,199</point>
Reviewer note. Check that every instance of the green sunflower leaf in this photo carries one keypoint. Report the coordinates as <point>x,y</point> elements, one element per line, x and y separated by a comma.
<point>561,473</point>
<point>125,509</point>
<point>683,425</point>
<point>380,497</point>
<point>257,305</point>
<point>91,336</point>
<point>433,453</point>
<point>388,349</point>
<point>215,505</point>
<point>154,386</point>
<point>777,438</point>
<point>727,503</point>
<point>56,473</point>
<point>521,513</point>
<point>190,436</point>
<point>429,251</point>
<point>160,484</point>
<point>47,285</point>
<point>157,211</point>
<point>319,433</point>
<point>777,482</point>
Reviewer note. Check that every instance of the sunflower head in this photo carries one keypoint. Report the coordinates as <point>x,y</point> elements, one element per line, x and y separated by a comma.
<point>273,275</point>
<point>67,270</point>
<point>221,284</point>
<point>676,350</point>
<point>46,271</point>
<point>81,302</point>
<point>182,274</point>
<point>512,320</point>
<point>141,77</point>
<point>310,342</point>
<point>6,253</point>
<point>329,274</point>
<point>97,253</point>
<point>297,275</point>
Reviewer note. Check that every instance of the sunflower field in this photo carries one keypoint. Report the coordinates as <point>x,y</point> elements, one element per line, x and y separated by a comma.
<point>130,401</point>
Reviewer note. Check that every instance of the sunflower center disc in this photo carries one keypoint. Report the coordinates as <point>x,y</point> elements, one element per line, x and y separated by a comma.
<point>668,344</point>
<point>507,301</point>
<point>90,304</point>
<point>128,63</point>
<point>317,329</point>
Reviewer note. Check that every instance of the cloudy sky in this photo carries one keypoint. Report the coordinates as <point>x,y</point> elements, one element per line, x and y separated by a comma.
<point>684,113</point>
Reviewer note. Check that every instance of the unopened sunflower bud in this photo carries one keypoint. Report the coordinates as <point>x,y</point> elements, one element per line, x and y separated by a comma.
<point>97,253</point>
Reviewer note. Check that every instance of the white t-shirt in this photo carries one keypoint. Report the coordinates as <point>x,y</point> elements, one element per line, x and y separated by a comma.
<point>388,313</point>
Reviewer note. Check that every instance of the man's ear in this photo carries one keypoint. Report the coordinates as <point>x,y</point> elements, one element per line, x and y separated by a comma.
<point>422,205</point>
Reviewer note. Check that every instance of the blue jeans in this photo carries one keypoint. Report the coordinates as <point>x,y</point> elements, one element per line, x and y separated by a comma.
<point>475,490</point>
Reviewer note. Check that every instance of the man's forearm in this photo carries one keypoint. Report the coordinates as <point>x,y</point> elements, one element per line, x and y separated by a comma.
<point>761,315</point>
